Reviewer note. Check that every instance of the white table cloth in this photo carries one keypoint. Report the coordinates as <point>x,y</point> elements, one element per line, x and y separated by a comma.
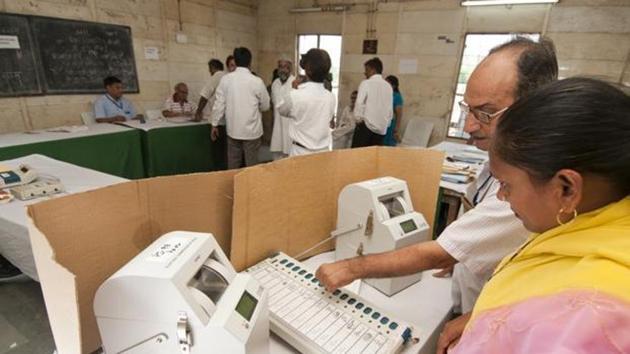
<point>15,244</point>
<point>38,136</point>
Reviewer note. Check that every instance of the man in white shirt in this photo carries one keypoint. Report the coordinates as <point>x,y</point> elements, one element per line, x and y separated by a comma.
<point>240,97</point>
<point>484,235</point>
<point>280,141</point>
<point>310,106</point>
<point>342,135</point>
<point>374,106</point>
<point>177,104</point>
<point>206,100</point>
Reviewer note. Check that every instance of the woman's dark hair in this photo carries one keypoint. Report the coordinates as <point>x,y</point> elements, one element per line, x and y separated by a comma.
<point>393,80</point>
<point>580,124</point>
<point>242,57</point>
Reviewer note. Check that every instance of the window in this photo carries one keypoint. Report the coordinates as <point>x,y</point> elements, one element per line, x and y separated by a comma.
<point>329,43</point>
<point>476,47</point>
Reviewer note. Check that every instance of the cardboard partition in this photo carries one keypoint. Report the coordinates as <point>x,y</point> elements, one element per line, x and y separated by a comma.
<point>291,205</point>
<point>80,240</point>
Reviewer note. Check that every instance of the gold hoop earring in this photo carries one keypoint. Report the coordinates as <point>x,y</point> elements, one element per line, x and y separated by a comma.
<point>559,221</point>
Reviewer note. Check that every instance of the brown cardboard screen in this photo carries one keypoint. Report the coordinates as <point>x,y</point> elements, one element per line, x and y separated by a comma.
<point>95,233</point>
<point>291,205</point>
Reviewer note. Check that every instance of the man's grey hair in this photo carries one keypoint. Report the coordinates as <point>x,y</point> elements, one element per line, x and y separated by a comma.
<point>537,63</point>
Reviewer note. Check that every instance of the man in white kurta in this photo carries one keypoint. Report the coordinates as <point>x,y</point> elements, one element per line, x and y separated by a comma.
<point>310,106</point>
<point>344,127</point>
<point>280,141</point>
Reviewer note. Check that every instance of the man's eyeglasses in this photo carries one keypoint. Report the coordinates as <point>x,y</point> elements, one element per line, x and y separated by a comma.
<point>480,115</point>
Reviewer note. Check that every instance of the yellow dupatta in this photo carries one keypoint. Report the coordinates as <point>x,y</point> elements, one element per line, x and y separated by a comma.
<point>591,252</point>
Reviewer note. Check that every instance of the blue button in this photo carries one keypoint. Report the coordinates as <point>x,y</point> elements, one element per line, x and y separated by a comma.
<point>393,326</point>
<point>384,320</point>
<point>376,315</point>
<point>359,305</point>
<point>308,276</point>
<point>352,301</point>
<point>367,310</point>
<point>406,334</point>
<point>295,269</point>
<point>283,261</point>
<point>302,272</point>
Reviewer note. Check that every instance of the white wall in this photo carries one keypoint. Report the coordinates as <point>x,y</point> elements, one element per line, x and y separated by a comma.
<point>213,28</point>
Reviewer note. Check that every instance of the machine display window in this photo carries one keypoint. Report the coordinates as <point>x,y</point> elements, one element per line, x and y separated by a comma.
<point>408,226</point>
<point>246,305</point>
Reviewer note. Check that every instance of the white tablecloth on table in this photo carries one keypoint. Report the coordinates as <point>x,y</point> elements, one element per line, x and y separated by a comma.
<point>39,136</point>
<point>161,123</point>
<point>426,304</point>
<point>15,244</point>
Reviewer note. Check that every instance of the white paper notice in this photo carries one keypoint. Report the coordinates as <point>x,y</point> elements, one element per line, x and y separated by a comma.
<point>408,66</point>
<point>151,53</point>
<point>9,42</point>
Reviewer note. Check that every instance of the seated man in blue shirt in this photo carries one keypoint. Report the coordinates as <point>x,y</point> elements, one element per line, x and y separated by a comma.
<point>112,107</point>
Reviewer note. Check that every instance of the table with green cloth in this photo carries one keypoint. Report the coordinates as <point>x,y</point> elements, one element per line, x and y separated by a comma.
<point>108,148</point>
<point>171,147</point>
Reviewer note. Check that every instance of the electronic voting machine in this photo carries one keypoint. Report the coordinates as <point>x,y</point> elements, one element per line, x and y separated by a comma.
<point>182,295</point>
<point>377,216</point>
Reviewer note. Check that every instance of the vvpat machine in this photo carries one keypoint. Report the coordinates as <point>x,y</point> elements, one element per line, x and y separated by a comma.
<point>182,295</point>
<point>377,216</point>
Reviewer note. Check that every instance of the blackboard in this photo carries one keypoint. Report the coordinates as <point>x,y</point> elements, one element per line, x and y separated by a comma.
<point>76,56</point>
<point>18,66</point>
<point>43,55</point>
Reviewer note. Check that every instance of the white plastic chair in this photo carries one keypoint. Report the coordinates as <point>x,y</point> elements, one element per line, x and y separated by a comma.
<point>88,118</point>
<point>154,114</point>
<point>417,133</point>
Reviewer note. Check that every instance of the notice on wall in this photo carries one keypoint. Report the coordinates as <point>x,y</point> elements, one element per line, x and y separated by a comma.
<point>408,66</point>
<point>151,53</point>
<point>9,42</point>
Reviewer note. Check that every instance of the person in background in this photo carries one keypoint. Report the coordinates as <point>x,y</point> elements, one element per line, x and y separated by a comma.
<point>344,128</point>
<point>476,242</point>
<point>177,105</point>
<point>562,158</point>
<point>280,142</point>
<point>230,63</point>
<point>206,100</point>
<point>310,106</point>
<point>240,97</point>
<point>373,107</point>
<point>392,137</point>
<point>112,106</point>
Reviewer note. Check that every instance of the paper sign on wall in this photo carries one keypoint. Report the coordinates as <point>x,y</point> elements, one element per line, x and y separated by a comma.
<point>151,53</point>
<point>9,42</point>
<point>408,66</point>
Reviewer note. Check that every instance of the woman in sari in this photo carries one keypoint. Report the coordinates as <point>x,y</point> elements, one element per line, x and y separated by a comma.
<point>562,156</point>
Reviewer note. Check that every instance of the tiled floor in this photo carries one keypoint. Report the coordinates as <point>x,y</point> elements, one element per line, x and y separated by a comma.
<point>24,325</point>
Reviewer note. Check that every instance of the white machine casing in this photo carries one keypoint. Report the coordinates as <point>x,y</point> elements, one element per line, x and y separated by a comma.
<point>377,216</point>
<point>17,177</point>
<point>154,303</point>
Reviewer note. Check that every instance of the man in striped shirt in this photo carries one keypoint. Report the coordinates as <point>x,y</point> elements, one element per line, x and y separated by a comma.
<point>177,105</point>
